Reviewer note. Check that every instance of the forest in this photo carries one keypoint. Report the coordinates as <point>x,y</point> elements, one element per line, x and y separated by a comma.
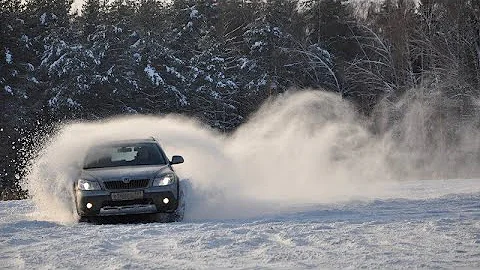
<point>218,61</point>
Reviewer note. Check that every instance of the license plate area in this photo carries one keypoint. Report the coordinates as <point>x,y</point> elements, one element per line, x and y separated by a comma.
<point>127,196</point>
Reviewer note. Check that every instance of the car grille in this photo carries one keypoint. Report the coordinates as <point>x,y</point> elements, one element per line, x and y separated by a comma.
<point>139,183</point>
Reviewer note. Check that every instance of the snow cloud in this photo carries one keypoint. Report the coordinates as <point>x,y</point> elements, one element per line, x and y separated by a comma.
<point>302,148</point>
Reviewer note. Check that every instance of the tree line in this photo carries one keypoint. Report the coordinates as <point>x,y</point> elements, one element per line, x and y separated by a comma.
<point>219,60</point>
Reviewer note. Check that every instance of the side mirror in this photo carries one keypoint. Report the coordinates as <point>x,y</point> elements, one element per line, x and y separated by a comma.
<point>176,160</point>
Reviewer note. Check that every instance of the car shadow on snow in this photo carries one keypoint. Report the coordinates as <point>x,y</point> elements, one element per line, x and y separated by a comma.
<point>125,219</point>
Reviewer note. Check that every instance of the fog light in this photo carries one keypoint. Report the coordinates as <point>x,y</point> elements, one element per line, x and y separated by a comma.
<point>89,205</point>
<point>166,200</point>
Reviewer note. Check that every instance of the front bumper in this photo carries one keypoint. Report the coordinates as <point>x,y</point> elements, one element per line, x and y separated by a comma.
<point>103,205</point>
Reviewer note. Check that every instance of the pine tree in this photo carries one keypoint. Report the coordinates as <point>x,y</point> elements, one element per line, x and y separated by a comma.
<point>91,16</point>
<point>196,70</point>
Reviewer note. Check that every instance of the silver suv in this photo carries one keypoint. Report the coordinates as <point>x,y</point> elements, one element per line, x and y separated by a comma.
<point>128,177</point>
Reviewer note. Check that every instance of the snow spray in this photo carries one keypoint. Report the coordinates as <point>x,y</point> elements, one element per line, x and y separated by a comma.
<point>301,148</point>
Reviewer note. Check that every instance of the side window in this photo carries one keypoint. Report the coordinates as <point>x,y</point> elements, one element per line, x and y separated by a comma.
<point>161,155</point>
<point>148,154</point>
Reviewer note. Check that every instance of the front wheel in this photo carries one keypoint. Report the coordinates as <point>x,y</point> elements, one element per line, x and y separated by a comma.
<point>178,215</point>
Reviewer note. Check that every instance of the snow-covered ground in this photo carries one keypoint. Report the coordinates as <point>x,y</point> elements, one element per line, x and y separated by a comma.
<point>417,224</point>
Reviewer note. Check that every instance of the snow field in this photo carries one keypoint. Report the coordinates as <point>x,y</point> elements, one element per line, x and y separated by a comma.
<point>437,227</point>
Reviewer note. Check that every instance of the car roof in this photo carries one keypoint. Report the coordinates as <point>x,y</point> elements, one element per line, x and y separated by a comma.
<point>136,140</point>
<point>127,141</point>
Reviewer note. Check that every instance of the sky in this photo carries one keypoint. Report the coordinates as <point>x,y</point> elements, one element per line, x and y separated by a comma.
<point>77,5</point>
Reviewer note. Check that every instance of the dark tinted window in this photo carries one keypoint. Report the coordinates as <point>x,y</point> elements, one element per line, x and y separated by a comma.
<point>124,154</point>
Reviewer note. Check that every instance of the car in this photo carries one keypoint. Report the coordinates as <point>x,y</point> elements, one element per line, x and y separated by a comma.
<point>129,177</point>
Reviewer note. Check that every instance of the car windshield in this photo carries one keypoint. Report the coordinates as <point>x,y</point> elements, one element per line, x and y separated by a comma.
<point>123,154</point>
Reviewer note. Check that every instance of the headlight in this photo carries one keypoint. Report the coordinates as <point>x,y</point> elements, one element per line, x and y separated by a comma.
<point>164,180</point>
<point>88,185</point>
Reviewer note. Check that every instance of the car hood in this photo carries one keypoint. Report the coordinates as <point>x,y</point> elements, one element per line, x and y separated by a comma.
<point>137,172</point>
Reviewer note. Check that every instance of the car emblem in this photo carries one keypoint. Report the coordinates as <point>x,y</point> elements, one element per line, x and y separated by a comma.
<point>126,180</point>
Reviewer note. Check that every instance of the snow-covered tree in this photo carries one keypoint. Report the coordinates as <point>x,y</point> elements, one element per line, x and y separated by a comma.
<point>197,43</point>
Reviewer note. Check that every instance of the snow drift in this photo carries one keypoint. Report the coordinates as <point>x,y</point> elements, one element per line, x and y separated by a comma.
<point>301,148</point>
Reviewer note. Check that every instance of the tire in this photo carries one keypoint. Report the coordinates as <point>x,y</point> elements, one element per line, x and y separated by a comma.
<point>178,215</point>
<point>83,219</point>
<point>180,212</point>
